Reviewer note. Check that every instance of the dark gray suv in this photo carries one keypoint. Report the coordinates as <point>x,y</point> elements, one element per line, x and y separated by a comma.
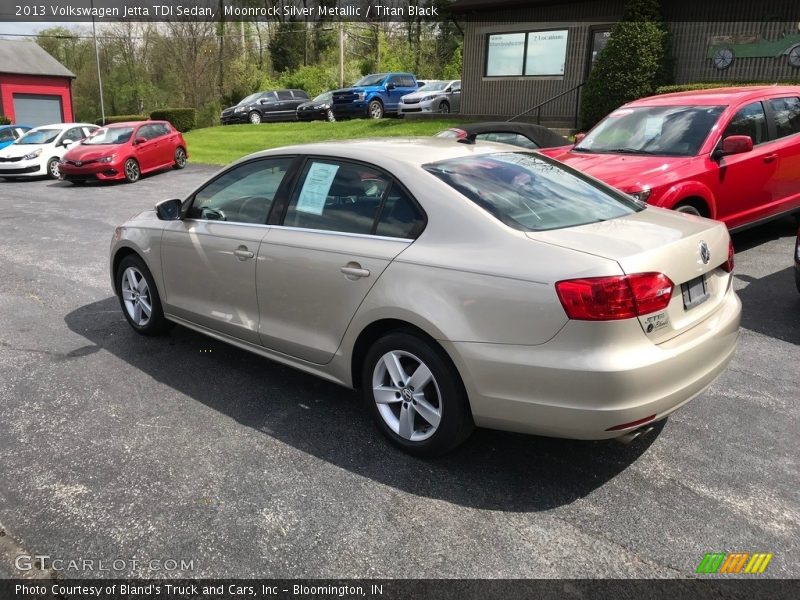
<point>272,105</point>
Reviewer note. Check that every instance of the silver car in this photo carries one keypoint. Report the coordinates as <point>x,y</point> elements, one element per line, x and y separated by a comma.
<point>433,97</point>
<point>455,285</point>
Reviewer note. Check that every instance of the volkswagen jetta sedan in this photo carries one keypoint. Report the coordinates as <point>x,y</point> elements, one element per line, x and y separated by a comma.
<point>456,285</point>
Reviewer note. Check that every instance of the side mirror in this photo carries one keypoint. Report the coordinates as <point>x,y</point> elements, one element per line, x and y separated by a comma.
<point>390,86</point>
<point>579,137</point>
<point>67,143</point>
<point>734,144</point>
<point>169,210</point>
<point>140,140</point>
<point>263,101</point>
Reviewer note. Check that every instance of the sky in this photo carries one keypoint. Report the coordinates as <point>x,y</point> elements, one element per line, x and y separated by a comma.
<point>31,27</point>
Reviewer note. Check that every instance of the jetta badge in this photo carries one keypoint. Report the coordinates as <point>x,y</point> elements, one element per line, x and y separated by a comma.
<point>705,253</point>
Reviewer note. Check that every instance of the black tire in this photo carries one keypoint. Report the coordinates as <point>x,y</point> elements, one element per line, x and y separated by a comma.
<point>375,109</point>
<point>445,391</point>
<point>444,107</point>
<point>132,171</point>
<point>180,158</point>
<point>688,209</point>
<point>254,117</point>
<point>156,324</point>
<point>52,168</point>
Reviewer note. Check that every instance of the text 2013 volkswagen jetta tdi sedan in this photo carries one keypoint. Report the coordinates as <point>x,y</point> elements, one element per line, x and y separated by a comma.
<point>457,285</point>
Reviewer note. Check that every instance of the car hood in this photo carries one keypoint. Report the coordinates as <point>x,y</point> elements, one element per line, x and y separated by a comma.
<point>16,150</point>
<point>623,171</point>
<point>421,95</point>
<point>82,152</point>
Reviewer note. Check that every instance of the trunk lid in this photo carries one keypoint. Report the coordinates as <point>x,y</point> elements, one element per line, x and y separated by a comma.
<point>661,241</point>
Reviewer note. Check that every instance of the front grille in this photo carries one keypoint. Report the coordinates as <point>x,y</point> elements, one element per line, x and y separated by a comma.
<point>411,101</point>
<point>345,98</point>
<point>80,163</point>
<point>227,112</point>
<point>13,159</point>
<point>4,172</point>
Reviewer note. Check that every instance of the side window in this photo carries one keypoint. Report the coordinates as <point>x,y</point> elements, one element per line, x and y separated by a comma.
<point>751,121</point>
<point>337,196</point>
<point>408,81</point>
<point>6,135</point>
<point>75,134</point>
<point>300,95</point>
<point>243,194</point>
<point>395,80</point>
<point>144,132</point>
<point>267,98</point>
<point>284,95</point>
<point>515,139</point>
<point>455,87</point>
<point>157,130</point>
<point>87,131</point>
<point>786,112</point>
<point>400,217</point>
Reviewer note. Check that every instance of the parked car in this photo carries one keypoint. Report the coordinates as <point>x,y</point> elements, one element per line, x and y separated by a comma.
<point>11,133</point>
<point>524,135</point>
<point>373,95</point>
<point>722,153</point>
<point>433,97</point>
<point>317,109</point>
<point>125,151</point>
<point>455,285</point>
<point>39,151</point>
<point>272,105</point>
<point>797,261</point>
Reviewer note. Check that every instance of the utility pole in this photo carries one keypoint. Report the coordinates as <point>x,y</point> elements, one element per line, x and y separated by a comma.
<point>341,54</point>
<point>99,78</point>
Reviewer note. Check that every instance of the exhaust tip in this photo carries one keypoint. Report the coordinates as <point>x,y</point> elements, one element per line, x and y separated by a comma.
<point>636,433</point>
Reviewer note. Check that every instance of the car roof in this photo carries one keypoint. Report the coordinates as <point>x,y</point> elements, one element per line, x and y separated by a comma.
<point>715,96</point>
<point>543,136</point>
<point>415,151</point>
<point>131,123</point>
<point>64,125</point>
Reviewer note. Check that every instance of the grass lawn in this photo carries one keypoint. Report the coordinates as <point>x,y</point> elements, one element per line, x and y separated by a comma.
<point>221,145</point>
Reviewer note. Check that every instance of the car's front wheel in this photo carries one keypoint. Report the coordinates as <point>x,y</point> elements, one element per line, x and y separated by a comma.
<point>52,168</point>
<point>180,158</point>
<point>330,116</point>
<point>444,107</point>
<point>375,109</point>
<point>415,395</point>
<point>688,209</point>
<point>139,297</point>
<point>255,117</point>
<point>132,171</point>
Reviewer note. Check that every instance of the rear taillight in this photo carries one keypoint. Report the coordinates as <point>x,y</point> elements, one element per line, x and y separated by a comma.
<point>616,297</point>
<point>728,266</point>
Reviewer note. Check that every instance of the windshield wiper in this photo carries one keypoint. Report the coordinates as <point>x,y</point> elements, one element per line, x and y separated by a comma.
<point>626,151</point>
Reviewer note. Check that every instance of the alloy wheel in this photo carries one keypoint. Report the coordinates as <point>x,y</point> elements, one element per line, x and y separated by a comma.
<point>444,108</point>
<point>180,158</point>
<point>136,296</point>
<point>132,170</point>
<point>330,116</point>
<point>53,168</point>
<point>407,395</point>
<point>255,118</point>
<point>375,110</point>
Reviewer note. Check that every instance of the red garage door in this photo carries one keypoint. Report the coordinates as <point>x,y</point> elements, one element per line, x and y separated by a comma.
<point>36,109</point>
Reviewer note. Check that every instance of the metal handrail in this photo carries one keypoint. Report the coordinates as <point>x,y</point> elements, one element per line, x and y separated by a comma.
<point>539,106</point>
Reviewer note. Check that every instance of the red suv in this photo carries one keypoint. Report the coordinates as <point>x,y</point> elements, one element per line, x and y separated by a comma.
<point>731,154</point>
<point>125,151</point>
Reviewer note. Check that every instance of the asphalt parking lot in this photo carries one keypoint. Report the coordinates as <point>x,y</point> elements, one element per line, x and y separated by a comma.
<point>115,446</point>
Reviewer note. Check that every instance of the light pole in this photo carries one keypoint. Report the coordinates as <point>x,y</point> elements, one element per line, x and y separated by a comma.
<point>97,58</point>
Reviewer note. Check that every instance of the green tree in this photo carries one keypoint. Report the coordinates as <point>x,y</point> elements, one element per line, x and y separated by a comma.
<point>287,46</point>
<point>633,64</point>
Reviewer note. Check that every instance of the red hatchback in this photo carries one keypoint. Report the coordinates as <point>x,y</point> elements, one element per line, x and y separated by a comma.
<point>731,154</point>
<point>125,151</point>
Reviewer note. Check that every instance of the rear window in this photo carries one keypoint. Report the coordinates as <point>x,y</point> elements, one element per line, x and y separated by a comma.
<point>529,193</point>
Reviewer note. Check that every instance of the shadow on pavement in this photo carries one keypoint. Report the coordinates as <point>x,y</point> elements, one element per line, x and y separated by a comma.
<point>493,470</point>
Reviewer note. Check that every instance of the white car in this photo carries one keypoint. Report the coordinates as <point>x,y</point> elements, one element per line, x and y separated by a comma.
<point>39,151</point>
<point>433,97</point>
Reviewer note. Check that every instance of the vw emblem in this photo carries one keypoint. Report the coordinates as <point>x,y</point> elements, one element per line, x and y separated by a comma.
<point>407,396</point>
<point>705,253</point>
<point>78,164</point>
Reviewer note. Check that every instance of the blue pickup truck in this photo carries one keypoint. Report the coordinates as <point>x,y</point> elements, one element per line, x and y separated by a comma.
<point>373,95</point>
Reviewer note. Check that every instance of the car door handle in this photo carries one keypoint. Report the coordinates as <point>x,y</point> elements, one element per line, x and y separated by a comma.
<point>354,271</point>
<point>242,253</point>
<point>770,157</point>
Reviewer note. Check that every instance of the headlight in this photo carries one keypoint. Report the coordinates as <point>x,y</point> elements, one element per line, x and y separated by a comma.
<point>641,195</point>
<point>428,98</point>
<point>361,95</point>
<point>240,109</point>
<point>323,106</point>
<point>106,159</point>
<point>32,155</point>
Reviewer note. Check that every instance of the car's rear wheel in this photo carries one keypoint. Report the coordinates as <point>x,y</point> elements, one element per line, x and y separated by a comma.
<point>255,117</point>
<point>415,395</point>
<point>444,107</point>
<point>139,297</point>
<point>52,168</point>
<point>180,158</point>
<point>688,209</point>
<point>132,171</point>
<point>375,109</point>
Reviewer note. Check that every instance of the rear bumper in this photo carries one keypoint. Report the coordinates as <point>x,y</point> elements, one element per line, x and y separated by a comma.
<point>566,388</point>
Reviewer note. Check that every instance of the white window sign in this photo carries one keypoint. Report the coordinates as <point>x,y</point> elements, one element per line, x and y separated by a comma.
<point>316,187</point>
<point>505,55</point>
<point>547,52</point>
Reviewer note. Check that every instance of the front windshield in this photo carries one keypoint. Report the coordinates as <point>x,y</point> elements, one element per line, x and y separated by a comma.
<point>530,193</point>
<point>324,98</point>
<point>433,86</point>
<point>109,136</point>
<point>39,136</point>
<point>660,130</point>
<point>371,80</point>
<point>249,99</point>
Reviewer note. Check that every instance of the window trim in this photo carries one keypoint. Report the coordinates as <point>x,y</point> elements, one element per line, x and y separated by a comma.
<point>301,168</point>
<point>527,32</point>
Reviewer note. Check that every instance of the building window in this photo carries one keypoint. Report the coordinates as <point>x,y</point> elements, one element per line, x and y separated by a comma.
<point>530,54</point>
